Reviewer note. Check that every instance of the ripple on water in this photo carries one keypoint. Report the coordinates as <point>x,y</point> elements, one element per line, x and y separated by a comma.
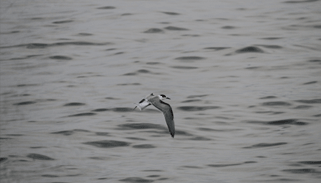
<point>107,143</point>
<point>74,104</point>
<point>144,146</point>
<point>197,108</point>
<point>106,8</point>
<point>189,58</point>
<point>312,101</point>
<point>281,122</point>
<point>262,145</point>
<point>39,157</point>
<point>83,114</point>
<point>60,57</point>
<point>25,103</point>
<point>154,30</point>
<point>233,164</point>
<point>250,49</point>
<point>173,28</point>
<point>135,179</point>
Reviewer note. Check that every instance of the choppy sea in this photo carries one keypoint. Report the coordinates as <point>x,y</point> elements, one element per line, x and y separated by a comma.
<point>244,78</point>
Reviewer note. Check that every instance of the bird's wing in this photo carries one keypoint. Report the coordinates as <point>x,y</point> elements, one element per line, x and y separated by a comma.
<point>142,104</point>
<point>168,114</point>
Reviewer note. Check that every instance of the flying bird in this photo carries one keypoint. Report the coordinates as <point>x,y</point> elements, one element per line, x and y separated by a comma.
<point>165,108</point>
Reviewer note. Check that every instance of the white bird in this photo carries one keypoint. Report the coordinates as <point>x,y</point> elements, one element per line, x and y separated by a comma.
<point>165,108</point>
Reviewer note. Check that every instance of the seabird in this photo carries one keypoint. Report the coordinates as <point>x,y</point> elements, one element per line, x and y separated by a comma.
<point>165,108</point>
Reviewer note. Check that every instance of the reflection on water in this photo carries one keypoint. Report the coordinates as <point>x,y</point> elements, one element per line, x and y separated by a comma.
<point>244,80</point>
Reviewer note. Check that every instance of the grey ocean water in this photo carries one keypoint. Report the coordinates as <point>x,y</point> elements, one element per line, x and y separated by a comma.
<point>244,78</point>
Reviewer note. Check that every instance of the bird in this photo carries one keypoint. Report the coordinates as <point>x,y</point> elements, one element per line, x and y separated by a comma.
<point>165,108</point>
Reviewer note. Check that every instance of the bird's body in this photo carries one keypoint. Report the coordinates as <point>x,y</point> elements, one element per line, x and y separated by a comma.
<point>165,108</point>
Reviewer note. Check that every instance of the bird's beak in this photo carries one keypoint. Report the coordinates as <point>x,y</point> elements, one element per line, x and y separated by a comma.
<point>168,98</point>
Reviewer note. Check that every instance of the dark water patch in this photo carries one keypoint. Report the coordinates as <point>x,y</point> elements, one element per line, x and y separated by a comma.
<point>310,162</point>
<point>317,26</point>
<point>49,176</point>
<point>119,53</point>
<point>189,58</point>
<point>140,71</point>
<point>251,68</point>
<point>182,133</point>
<point>300,1</point>
<point>122,109</point>
<point>271,46</point>
<point>175,28</point>
<point>218,130</point>
<point>281,122</point>
<point>83,114</point>
<point>262,145</point>
<point>154,30</point>
<point>25,103</point>
<point>79,43</point>
<point>302,171</point>
<point>315,60</point>
<point>107,143</point>
<point>200,138</point>
<point>101,110</point>
<point>25,57</point>
<point>106,8</point>
<point>276,103</point>
<point>153,176</point>
<point>303,107</point>
<point>37,147</point>
<point>309,83</point>
<point>226,165</point>
<point>196,96</point>
<point>197,108</point>
<point>111,49</point>
<point>250,49</point>
<point>74,104</point>
<point>126,14</point>
<point>171,13</point>
<point>62,22</point>
<point>192,100</point>
<point>216,48</point>
<point>34,45</point>
<point>312,101</point>
<point>136,126</point>
<point>228,27</point>
<point>3,159</point>
<point>135,138</point>
<point>272,38</point>
<point>102,133</point>
<point>153,63</point>
<point>188,166</point>
<point>184,67</point>
<point>65,132</point>
<point>84,34</point>
<point>111,98</point>
<point>191,35</point>
<point>60,57</point>
<point>127,84</point>
<point>317,115</point>
<point>39,157</point>
<point>136,180</point>
<point>144,146</point>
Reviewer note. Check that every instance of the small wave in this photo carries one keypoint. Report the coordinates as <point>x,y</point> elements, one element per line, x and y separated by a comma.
<point>100,110</point>
<point>144,146</point>
<point>307,1</point>
<point>196,96</point>
<point>107,143</point>
<point>228,27</point>
<point>312,101</point>
<point>175,28</point>
<point>39,157</point>
<point>130,126</point>
<point>106,8</point>
<point>171,13</point>
<point>276,103</point>
<point>189,58</point>
<point>234,164</point>
<point>154,30</point>
<point>135,179</point>
<point>83,114</point>
<point>250,49</point>
<point>261,145</point>
<point>311,82</point>
<point>192,100</point>
<point>216,48</point>
<point>74,104</point>
<point>60,57</point>
<point>62,22</point>
<point>301,171</point>
<point>281,122</point>
<point>310,162</point>
<point>25,103</point>
<point>184,67</point>
<point>197,108</point>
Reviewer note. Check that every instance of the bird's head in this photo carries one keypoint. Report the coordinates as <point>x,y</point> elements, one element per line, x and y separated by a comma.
<point>163,97</point>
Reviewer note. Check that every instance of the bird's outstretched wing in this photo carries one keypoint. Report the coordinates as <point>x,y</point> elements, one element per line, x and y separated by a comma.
<point>142,104</point>
<point>168,114</point>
